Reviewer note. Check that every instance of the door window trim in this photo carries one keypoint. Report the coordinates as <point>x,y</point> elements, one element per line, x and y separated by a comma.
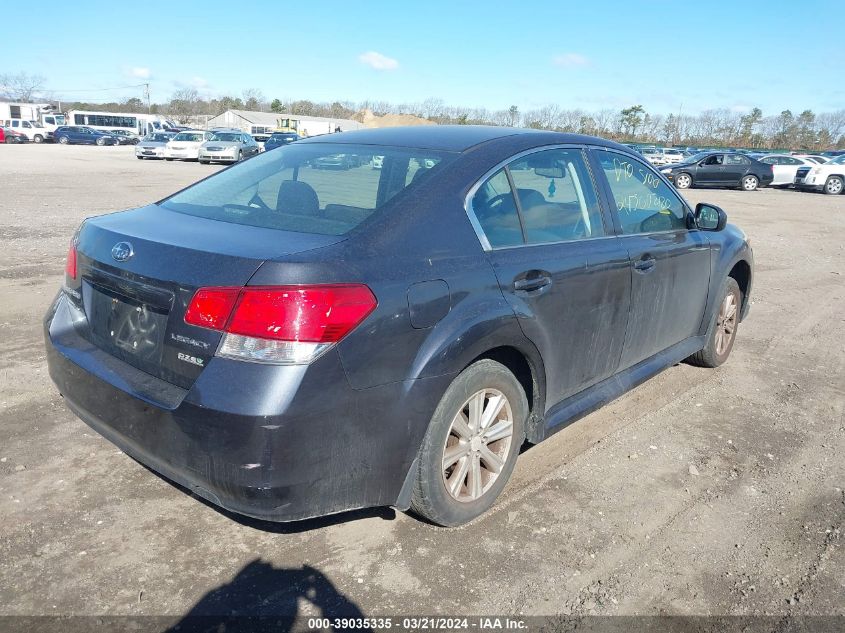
<point>609,231</point>
<point>607,191</point>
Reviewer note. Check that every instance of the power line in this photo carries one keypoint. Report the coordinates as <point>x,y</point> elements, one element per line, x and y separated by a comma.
<point>97,89</point>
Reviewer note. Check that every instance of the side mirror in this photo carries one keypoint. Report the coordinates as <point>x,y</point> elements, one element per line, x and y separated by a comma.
<point>709,217</point>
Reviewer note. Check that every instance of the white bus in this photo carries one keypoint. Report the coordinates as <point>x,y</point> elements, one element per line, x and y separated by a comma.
<point>141,124</point>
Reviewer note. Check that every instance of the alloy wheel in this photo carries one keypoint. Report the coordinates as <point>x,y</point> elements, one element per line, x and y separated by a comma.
<point>726,323</point>
<point>477,445</point>
<point>834,186</point>
<point>683,181</point>
<point>749,183</point>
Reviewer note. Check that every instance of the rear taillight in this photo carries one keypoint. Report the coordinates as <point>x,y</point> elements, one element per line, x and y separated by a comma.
<point>280,324</point>
<point>70,264</point>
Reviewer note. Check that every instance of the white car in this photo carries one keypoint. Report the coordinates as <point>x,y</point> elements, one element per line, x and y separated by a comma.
<point>784,167</point>
<point>829,178</point>
<point>654,155</point>
<point>819,160</point>
<point>672,156</point>
<point>186,145</point>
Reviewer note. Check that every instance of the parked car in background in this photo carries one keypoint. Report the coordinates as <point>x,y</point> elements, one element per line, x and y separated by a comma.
<point>81,135</point>
<point>278,139</point>
<point>227,146</point>
<point>784,168</point>
<point>284,344</point>
<point>654,155</point>
<point>33,130</point>
<point>152,145</point>
<point>672,155</point>
<point>815,158</point>
<point>337,161</point>
<point>720,169</point>
<point>829,177</point>
<point>9,136</point>
<point>125,137</point>
<point>186,145</point>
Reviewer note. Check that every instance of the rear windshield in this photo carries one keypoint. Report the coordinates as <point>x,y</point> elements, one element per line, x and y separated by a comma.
<point>321,188</point>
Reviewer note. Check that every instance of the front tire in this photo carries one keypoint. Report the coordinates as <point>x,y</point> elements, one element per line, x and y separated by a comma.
<point>100,142</point>
<point>63,140</point>
<point>749,183</point>
<point>683,181</point>
<point>833,186</point>
<point>471,445</point>
<point>37,139</point>
<point>722,331</point>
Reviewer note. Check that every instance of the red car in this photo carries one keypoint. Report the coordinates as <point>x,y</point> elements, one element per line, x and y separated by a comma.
<point>11,136</point>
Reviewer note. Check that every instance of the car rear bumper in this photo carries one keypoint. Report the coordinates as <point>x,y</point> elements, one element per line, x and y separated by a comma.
<point>280,443</point>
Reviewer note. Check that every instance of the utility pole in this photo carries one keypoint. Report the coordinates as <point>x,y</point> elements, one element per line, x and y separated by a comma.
<point>677,136</point>
<point>147,96</point>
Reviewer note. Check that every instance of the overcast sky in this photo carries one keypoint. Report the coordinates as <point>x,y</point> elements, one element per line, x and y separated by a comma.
<point>665,55</point>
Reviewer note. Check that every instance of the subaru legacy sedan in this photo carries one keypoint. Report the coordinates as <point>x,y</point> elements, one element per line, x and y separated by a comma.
<point>288,341</point>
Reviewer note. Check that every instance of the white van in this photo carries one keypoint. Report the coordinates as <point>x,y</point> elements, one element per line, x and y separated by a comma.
<point>33,130</point>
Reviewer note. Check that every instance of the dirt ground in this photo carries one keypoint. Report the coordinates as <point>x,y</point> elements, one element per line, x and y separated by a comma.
<point>701,492</point>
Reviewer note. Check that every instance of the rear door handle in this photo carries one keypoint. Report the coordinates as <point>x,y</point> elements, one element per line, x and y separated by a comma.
<point>532,284</point>
<point>644,265</point>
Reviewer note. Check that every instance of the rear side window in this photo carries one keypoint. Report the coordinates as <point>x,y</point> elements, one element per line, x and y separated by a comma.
<point>495,209</point>
<point>737,159</point>
<point>556,197</point>
<point>321,188</point>
<point>552,200</point>
<point>644,203</point>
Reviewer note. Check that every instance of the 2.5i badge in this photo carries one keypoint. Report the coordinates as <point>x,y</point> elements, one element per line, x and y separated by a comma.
<point>191,359</point>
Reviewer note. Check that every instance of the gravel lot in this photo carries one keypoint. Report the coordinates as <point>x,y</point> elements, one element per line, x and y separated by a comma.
<point>701,492</point>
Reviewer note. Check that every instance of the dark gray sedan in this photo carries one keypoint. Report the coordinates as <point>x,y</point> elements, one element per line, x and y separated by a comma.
<point>287,341</point>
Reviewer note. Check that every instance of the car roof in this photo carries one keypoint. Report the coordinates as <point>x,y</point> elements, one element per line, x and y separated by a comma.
<point>453,138</point>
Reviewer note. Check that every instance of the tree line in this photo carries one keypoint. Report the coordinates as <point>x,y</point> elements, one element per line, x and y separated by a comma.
<point>753,129</point>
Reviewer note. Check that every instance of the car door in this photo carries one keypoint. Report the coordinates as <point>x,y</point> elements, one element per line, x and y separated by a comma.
<point>788,168</point>
<point>736,166</point>
<point>669,262</point>
<point>711,170</point>
<point>558,264</point>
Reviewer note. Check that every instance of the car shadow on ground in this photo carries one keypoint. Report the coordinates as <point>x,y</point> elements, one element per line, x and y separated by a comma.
<point>265,598</point>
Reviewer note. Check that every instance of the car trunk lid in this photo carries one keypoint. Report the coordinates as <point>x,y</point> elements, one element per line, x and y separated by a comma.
<point>138,270</point>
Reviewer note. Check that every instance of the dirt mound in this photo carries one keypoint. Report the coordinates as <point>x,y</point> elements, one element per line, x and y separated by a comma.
<point>390,120</point>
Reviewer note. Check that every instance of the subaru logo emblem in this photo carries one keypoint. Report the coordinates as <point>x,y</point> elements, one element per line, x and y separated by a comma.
<point>122,251</point>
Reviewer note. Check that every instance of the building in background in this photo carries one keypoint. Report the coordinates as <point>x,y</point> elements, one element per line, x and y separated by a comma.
<point>261,124</point>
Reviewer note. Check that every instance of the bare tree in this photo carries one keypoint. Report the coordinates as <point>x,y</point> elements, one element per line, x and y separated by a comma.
<point>20,86</point>
<point>184,103</point>
<point>253,99</point>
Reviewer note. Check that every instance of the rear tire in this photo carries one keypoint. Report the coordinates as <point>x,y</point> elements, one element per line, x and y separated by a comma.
<point>471,445</point>
<point>683,181</point>
<point>101,142</point>
<point>63,140</point>
<point>833,186</point>
<point>722,331</point>
<point>749,183</point>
